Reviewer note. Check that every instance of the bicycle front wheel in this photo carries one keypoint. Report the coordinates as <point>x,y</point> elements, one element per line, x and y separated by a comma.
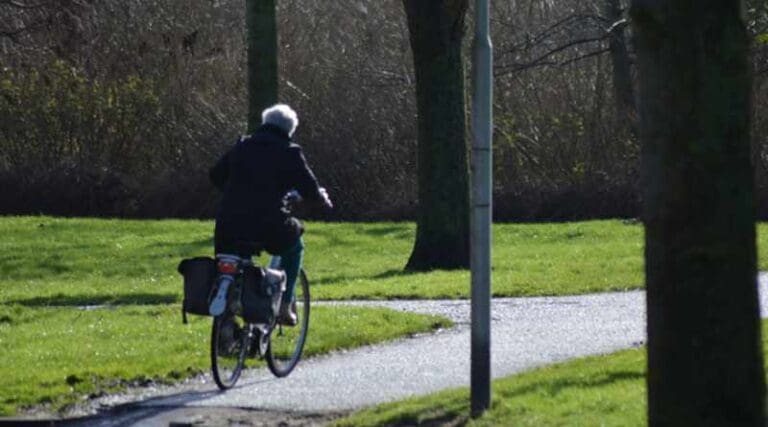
<point>229,345</point>
<point>287,342</point>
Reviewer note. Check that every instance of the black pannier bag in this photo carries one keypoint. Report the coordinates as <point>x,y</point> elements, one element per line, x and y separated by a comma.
<point>261,294</point>
<point>199,274</point>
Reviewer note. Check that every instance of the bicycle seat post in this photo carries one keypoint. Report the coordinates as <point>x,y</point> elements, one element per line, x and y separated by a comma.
<point>274,263</point>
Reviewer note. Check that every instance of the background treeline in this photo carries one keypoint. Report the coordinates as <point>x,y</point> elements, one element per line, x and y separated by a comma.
<point>115,107</point>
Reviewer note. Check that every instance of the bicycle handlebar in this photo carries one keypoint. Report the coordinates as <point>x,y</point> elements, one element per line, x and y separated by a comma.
<point>293,197</point>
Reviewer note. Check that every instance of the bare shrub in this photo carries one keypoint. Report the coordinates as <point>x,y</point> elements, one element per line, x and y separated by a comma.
<point>119,107</point>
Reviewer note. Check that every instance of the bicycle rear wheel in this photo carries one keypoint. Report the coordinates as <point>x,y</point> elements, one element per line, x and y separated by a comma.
<point>287,342</point>
<point>229,345</point>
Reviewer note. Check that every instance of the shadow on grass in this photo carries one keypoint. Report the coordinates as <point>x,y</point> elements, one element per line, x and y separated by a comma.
<point>346,278</point>
<point>394,273</point>
<point>551,388</point>
<point>454,412</point>
<point>402,231</point>
<point>90,300</point>
<point>28,266</point>
<point>182,248</point>
<point>438,419</point>
<point>148,411</point>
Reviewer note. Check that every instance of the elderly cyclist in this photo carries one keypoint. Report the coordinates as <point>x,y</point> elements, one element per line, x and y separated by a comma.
<point>255,176</point>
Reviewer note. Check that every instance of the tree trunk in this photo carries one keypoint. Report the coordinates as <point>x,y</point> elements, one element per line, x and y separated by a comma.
<point>705,365</point>
<point>261,23</point>
<point>624,94</point>
<point>442,238</point>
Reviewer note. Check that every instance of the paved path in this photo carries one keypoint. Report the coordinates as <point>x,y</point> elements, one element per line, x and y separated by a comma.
<point>526,332</point>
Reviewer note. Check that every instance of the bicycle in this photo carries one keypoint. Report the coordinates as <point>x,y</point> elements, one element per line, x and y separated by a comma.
<point>232,338</point>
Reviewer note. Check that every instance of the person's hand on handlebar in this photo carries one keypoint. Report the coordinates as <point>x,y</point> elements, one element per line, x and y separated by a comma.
<point>293,198</point>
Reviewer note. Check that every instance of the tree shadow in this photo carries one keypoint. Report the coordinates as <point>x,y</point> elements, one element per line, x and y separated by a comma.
<point>401,230</point>
<point>456,415</point>
<point>331,279</point>
<point>135,413</point>
<point>346,278</point>
<point>81,300</point>
<point>551,388</point>
<point>394,273</point>
<point>45,265</point>
<point>184,248</point>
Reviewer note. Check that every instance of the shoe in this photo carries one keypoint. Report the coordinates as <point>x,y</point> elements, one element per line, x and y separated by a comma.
<point>287,315</point>
<point>219,302</point>
<point>259,342</point>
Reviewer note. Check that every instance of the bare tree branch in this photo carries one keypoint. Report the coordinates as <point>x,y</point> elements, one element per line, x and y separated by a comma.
<point>542,60</point>
<point>19,5</point>
<point>553,29</point>
<point>618,25</point>
<point>14,33</point>
<point>585,56</point>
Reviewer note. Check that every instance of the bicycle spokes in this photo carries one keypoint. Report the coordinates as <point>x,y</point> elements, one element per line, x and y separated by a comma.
<point>229,344</point>
<point>287,342</point>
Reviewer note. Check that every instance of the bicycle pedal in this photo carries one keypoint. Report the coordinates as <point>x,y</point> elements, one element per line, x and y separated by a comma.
<point>259,343</point>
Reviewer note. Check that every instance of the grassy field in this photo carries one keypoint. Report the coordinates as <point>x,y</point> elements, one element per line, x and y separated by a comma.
<point>594,391</point>
<point>47,260</point>
<point>88,261</point>
<point>59,355</point>
<point>53,269</point>
<point>91,306</point>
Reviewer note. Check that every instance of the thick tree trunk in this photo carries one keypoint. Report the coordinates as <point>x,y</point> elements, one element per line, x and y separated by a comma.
<point>261,23</point>
<point>624,93</point>
<point>442,237</point>
<point>705,365</point>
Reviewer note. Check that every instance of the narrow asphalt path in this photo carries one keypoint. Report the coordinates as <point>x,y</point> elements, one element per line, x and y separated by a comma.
<point>526,333</point>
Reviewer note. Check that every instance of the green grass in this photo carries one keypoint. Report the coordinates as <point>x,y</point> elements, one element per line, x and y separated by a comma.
<point>49,267</point>
<point>78,261</point>
<point>47,260</point>
<point>594,391</point>
<point>58,347</point>
<point>59,355</point>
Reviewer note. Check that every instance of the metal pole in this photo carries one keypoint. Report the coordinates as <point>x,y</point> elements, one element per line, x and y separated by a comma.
<point>480,243</point>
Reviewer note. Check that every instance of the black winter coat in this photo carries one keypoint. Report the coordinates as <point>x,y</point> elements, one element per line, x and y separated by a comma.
<point>254,176</point>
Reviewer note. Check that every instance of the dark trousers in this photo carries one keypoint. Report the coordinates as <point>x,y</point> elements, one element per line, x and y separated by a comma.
<point>275,238</point>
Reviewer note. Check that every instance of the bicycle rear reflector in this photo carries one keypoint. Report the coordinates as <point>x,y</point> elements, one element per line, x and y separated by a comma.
<point>227,267</point>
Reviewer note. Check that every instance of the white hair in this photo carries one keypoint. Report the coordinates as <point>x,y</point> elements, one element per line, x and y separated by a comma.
<point>282,116</point>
